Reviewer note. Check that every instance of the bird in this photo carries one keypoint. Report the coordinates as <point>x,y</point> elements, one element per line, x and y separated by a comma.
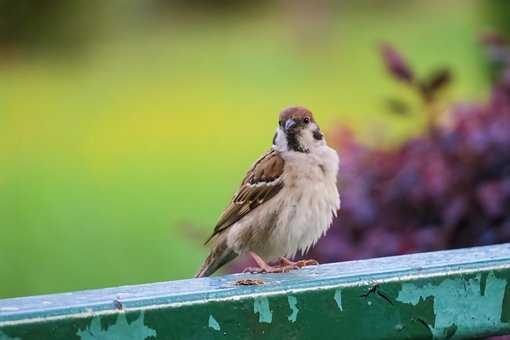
<point>285,203</point>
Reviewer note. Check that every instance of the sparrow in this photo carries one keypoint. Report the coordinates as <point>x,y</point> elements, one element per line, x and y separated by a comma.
<point>285,203</point>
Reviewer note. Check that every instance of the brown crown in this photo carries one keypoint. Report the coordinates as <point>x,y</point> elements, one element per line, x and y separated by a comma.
<point>296,113</point>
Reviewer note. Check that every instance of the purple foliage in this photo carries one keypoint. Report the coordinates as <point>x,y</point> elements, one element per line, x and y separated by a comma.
<point>396,64</point>
<point>449,188</point>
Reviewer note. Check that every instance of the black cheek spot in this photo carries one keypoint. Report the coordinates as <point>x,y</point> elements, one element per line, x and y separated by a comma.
<point>274,138</point>
<point>317,135</point>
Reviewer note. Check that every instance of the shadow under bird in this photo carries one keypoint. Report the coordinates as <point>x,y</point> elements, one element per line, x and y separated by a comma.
<point>285,203</point>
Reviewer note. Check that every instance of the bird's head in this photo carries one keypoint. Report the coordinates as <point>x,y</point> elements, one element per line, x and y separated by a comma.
<point>297,131</point>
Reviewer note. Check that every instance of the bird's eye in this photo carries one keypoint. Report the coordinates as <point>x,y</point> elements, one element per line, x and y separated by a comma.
<point>306,120</point>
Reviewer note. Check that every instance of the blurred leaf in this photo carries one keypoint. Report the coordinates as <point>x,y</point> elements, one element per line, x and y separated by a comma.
<point>395,64</point>
<point>397,106</point>
<point>435,82</point>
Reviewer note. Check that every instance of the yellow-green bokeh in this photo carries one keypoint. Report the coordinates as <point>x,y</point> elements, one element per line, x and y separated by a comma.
<point>115,163</point>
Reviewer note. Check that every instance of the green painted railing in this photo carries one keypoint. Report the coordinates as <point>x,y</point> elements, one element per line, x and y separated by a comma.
<point>441,295</point>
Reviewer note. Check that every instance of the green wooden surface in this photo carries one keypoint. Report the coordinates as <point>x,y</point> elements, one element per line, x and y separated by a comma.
<point>442,295</point>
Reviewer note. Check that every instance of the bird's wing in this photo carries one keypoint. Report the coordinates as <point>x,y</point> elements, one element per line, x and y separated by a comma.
<point>262,182</point>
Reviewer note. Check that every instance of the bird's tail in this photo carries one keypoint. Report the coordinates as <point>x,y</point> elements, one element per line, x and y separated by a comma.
<point>217,258</point>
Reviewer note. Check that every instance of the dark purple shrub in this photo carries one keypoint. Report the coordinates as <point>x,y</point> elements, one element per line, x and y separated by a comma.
<point>448,188</point>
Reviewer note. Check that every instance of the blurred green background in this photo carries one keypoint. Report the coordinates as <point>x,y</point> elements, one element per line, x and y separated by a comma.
<point>125,126</point>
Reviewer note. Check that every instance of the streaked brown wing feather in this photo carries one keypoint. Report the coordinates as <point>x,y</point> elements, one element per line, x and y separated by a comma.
<point>262,182</point>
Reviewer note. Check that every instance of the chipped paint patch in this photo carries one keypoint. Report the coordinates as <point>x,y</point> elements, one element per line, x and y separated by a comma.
<point>338,298</point>
<point>293,307</point>
<point>213,323</point>
<point>120,330</point>
<point>4,336</point>
<point>480,299</point>
<point>261,306</point>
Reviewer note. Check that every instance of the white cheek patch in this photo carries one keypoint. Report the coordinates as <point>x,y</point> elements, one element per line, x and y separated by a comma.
<point>280,142</point>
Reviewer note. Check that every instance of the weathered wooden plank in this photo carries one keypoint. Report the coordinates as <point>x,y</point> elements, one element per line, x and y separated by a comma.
<point>450,294</point>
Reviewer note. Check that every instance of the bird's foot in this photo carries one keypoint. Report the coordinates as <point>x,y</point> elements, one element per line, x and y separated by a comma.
<point>284,266</point>
<point>298,264</point>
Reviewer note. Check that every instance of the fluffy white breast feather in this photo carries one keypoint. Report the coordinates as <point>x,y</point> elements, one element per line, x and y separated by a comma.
<point>302,211</point>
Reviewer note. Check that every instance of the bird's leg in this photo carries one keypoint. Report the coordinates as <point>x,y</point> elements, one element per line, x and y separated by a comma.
<point>299,264</point>
<point>263,267</point>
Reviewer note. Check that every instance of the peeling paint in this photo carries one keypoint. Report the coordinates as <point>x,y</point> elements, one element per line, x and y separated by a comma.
<point>338,298</point>
<point>293,307</point>
<point>261,306</point>
<point>120,330</point>
<point>182,309</point>
<point>483,294</point>
<point>213,323</point>
<point>4,336</point>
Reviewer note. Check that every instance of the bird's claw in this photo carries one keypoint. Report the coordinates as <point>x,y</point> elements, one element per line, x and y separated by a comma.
<point>298,264</point>
<point>288,268</point>
<point>304,263</point>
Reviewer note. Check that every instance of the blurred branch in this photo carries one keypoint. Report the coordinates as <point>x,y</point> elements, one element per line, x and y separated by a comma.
<point>427,88</point>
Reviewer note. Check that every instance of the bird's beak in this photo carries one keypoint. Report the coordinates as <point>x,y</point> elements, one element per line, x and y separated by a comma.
<point>289,123</point>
